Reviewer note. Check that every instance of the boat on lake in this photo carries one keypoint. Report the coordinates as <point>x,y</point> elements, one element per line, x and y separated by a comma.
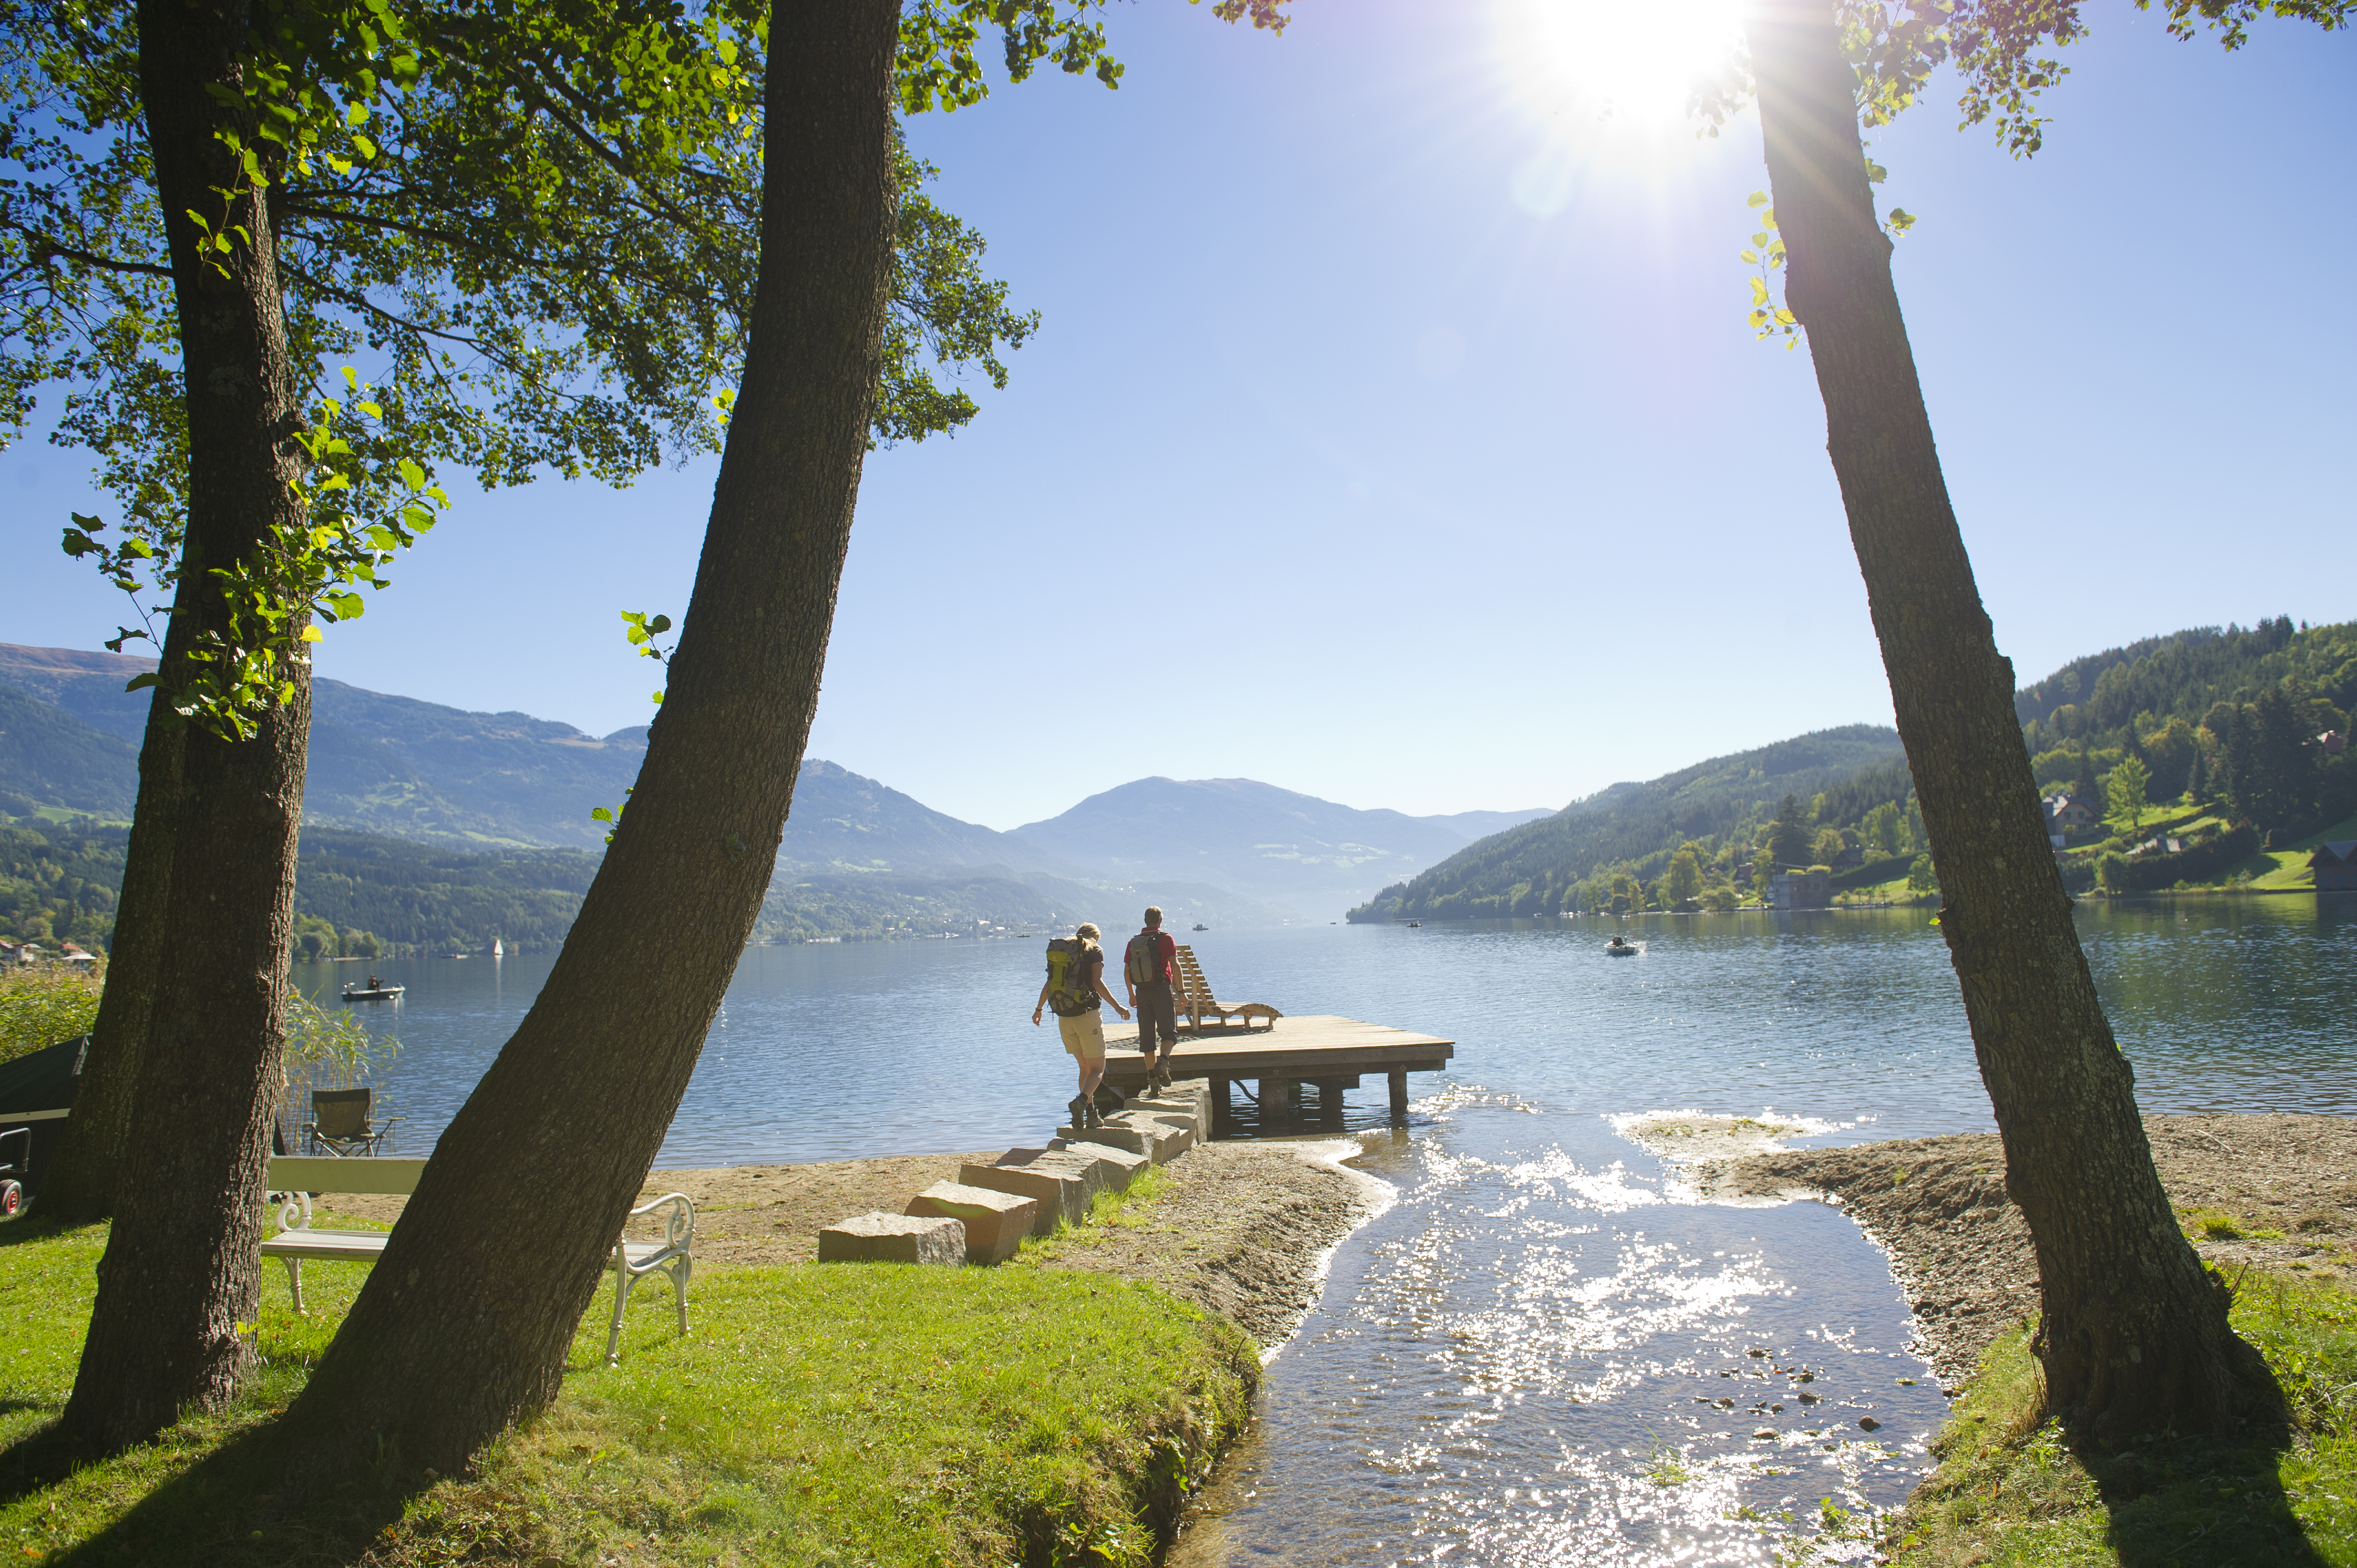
<point>374,991</point>
<point>1200,926</point>
<point>1617,948</point>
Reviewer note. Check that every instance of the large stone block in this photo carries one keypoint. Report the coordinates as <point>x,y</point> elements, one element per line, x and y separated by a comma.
<point>1177,1116</point>
<point>1063,1195</point>
<point>1161,1141</point>
<point>995,1222</point>
<point>1114,1134</point>
<point>881,1238</point>
<point>1118,1167</point>
<point>1051,1158</point>
<point>1195,1092</point>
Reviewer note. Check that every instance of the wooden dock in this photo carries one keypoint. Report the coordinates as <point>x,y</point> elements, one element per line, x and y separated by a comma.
<point>1329,1052</point>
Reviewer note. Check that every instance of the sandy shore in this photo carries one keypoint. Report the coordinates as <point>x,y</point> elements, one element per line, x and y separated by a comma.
<point>1242,1229</point>
<point>1963,1254</point>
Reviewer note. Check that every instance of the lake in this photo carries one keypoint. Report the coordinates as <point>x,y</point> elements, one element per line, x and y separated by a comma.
<point>1521,1360</point>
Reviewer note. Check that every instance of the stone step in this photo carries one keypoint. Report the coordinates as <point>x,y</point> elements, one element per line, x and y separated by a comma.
<point>1183,1133</point>
<point>1054,1159</point>
<point>1117,1167</point>
<point>1176,1115</point>
<point>995,1222</point>
<point>881,1238</point>
<point>1063,1195</point>
<point>1113,1134</point>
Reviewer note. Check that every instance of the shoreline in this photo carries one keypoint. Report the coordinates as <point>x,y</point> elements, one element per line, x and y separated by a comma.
<point>1245,1229</point>
<point>2275,1190</point>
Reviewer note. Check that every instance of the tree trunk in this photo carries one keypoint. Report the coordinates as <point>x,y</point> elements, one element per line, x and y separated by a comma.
<point>180,1271</point>
<point>79,1187</point>
<point>2134,1333</point>
<point>465,1323</point>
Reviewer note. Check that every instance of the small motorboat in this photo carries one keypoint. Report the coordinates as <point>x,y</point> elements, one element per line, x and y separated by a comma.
<point>374,991</point>
<point>1415,925</point>
<point>1615,948</point>
<point>1200,926</point>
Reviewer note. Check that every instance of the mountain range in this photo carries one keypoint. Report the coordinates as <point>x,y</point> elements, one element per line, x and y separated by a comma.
<point>857,855</point>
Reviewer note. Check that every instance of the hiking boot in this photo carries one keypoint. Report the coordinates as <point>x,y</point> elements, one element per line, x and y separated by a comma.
<point>1096,1117</point>
<point>1081,1109</point>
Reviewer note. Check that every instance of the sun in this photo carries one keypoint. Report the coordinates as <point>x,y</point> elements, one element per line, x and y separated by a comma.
<point>1629,62</point>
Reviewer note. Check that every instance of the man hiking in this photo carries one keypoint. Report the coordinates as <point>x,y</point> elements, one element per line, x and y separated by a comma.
<point>1150,962</point>
<point>1075,988</point>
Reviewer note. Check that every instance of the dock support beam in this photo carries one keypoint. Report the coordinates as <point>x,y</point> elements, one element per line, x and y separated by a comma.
<point>1279,1102</point>
<point>1224,1124</point>
<point>1330,1101</point>
<point>1399,1097</point>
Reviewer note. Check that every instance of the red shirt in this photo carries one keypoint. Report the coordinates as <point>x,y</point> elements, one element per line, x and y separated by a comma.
<point>1167,947</point>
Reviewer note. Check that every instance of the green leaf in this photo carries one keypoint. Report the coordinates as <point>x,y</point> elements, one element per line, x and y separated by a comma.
<point>1757,199</point>
<point>601,815</point>
<point>411,475</point>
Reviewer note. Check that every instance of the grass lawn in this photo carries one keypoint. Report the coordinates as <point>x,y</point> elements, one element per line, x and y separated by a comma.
<point>2010,1489</point>
<point>870,1413</point>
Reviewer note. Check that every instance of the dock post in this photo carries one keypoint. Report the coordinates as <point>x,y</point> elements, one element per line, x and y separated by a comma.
<point>1399,1097</point>
<point>1330,1105</point>
<point>1277,1102</point>
<point>1222,1115</point>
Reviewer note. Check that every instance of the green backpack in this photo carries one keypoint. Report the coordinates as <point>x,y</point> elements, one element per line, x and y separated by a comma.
<point>1068,990</point>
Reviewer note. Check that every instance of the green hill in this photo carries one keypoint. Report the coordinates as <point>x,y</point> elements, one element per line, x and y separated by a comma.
<point>2237,716</point>
<point>1632,830</point>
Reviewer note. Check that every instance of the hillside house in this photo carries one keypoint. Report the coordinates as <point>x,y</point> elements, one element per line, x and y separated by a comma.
<point>2070,814</point>
<point>1802,890</point>
<point>2333,742</point>
<point>2334,867</point>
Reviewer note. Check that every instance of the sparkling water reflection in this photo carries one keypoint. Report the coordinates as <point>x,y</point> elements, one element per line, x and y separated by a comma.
<point>1540,1354</point>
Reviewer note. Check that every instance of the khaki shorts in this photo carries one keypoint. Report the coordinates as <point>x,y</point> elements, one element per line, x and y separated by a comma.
<point>1084,1035</point>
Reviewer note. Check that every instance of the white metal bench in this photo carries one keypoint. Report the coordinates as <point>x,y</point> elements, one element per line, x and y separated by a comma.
<point>293,1179</point>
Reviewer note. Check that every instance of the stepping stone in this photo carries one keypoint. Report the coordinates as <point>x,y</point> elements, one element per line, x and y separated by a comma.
<point>1063,1195</point>
<point>1113,1134</point>
<point>1180,1117</point>
<point>1181,1113</point>
<point>1117,1166</point>
<point>881,1238</point>
<point>995,1222</point>
<point>1164,1142</point>
<point>1053,1159</point>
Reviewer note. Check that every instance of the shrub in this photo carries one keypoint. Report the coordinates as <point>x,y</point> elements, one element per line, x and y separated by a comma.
<point>43,1005</point>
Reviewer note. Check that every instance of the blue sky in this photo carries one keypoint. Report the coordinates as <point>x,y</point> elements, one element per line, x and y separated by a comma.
<point>1394,434</point>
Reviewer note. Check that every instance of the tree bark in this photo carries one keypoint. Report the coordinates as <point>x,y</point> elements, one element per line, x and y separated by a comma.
<point>2134,1333</point>
<point>465,1323</point>
<point>180,1271</point>
<point>79,1186</point>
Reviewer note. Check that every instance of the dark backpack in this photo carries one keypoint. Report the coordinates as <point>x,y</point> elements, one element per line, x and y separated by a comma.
<point>1143,959</point>
<point>1068,990</point>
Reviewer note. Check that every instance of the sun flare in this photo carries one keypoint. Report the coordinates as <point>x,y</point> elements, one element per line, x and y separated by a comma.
<point>1633,61</point>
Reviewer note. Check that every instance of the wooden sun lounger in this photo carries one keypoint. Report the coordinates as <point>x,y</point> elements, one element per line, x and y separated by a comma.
<point>1194,1000</point>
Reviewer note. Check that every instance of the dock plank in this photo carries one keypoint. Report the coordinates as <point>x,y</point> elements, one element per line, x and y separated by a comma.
<point>1305,1047</point>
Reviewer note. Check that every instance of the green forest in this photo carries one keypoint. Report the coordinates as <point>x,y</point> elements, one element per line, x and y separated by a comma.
<point>363,896</point>
<point>2219,732</point>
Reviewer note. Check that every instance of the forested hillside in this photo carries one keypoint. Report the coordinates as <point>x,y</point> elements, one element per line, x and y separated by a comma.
<point>1634,831</point>
<point>2250,722</point>
<point>362,894</point>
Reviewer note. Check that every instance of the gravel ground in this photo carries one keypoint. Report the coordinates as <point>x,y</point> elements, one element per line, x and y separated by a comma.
<point>1242,1230</point>
<point>1961,1252</point>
